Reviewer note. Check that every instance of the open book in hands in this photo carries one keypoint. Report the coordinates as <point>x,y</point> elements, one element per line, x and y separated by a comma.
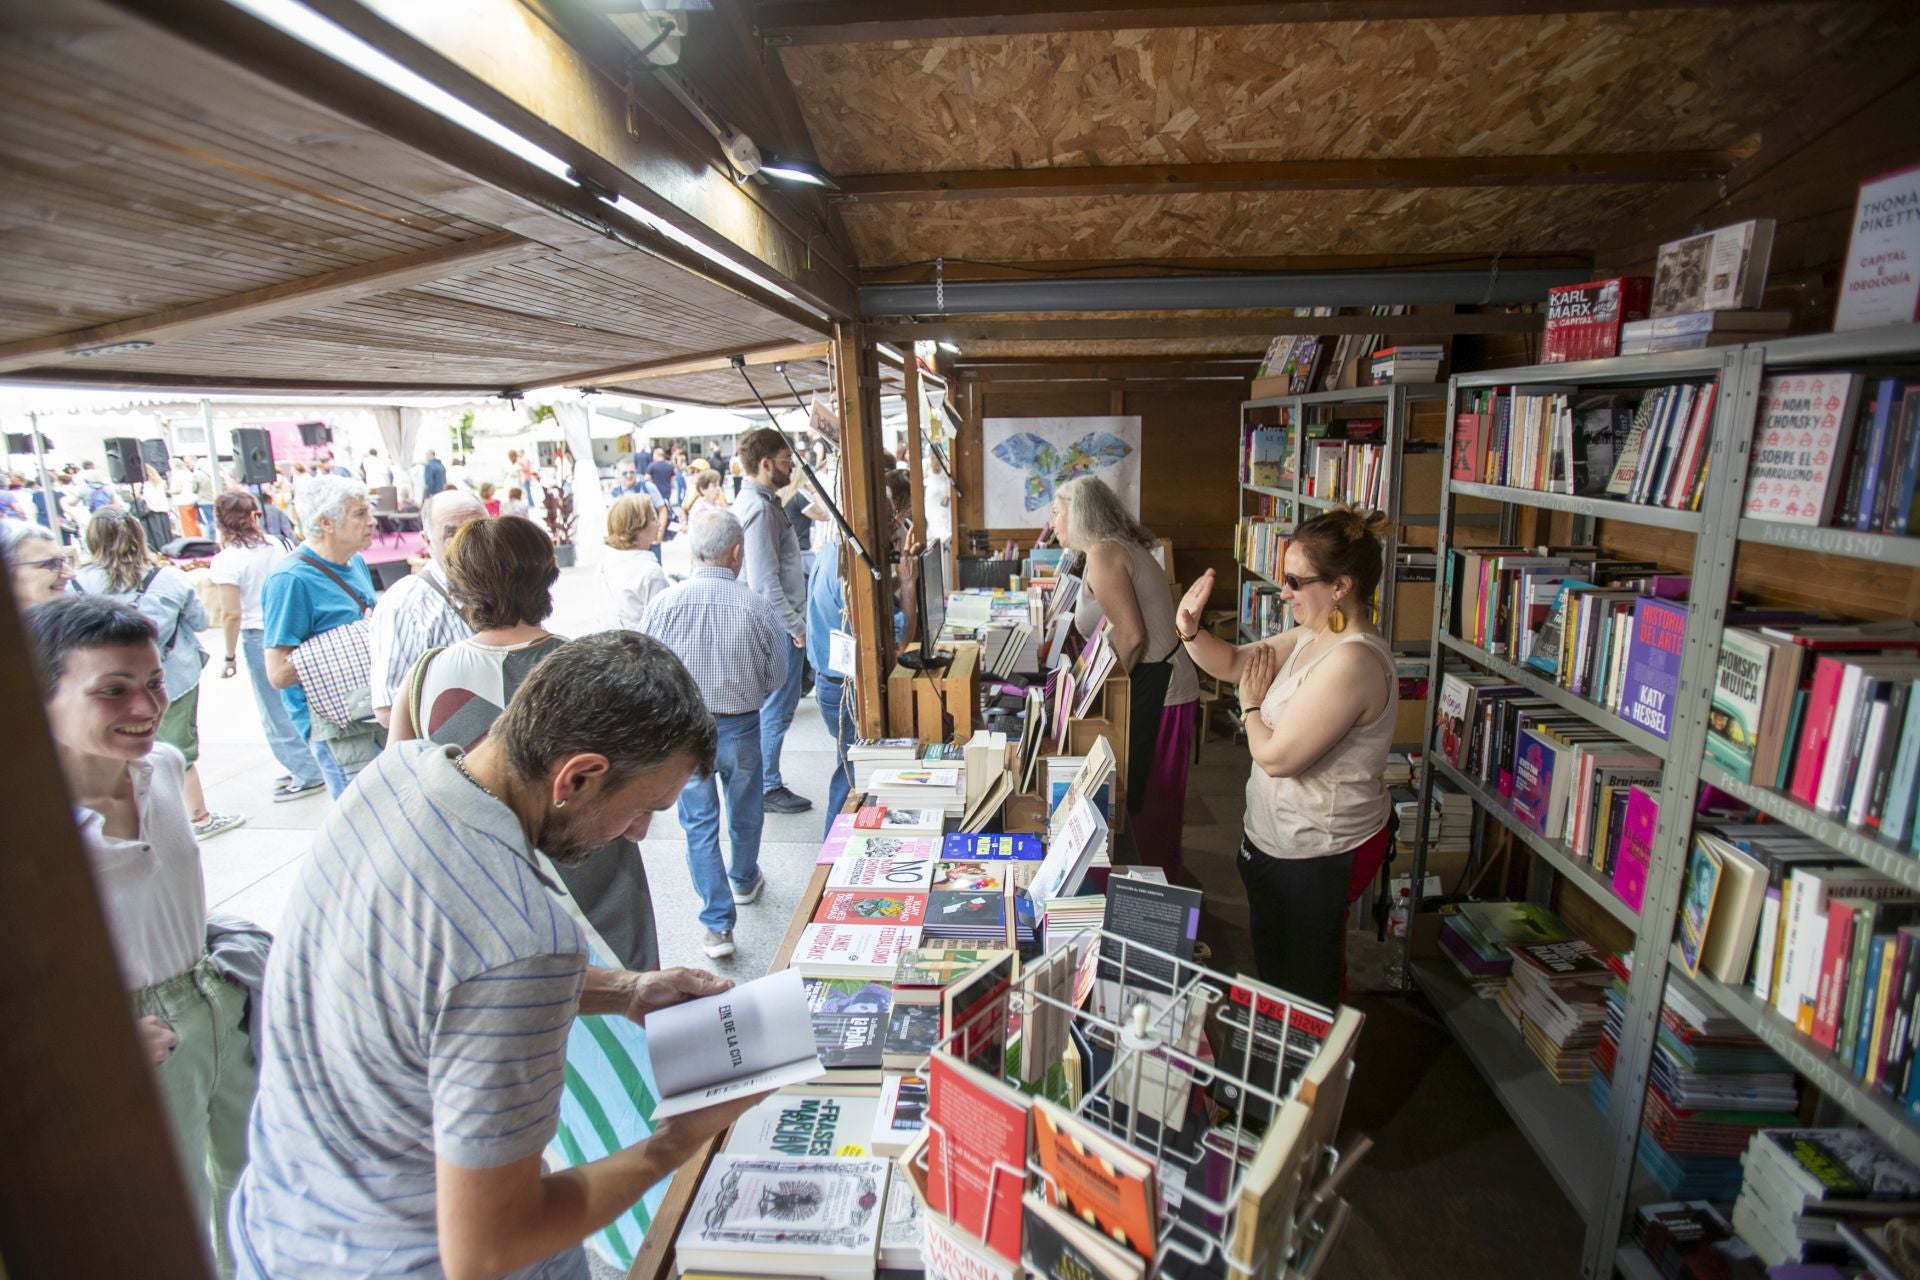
<point>750,1039</point>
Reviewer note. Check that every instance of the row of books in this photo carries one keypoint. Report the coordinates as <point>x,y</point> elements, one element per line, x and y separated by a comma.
<point>1260,543</point>
<point>1647,447</point>
<point>1826,943</point>
<point>1827,714</point>
<point>1347,471</point>
<point>1711,1086</point>
<point>1266,456</point>
<point>1263,611</point>
<point>1836,448</point>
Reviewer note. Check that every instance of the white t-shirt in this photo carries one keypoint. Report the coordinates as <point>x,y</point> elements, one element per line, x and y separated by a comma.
<point>629,580</point>
<point>150,887</point>
<point>247,568</point>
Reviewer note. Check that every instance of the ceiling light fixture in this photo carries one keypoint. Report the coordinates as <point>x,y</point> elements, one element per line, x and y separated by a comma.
<point>947,347</point>
<point>796,171</point>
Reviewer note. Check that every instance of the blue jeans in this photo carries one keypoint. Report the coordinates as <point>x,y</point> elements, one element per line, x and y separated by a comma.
<point>776,715</point>
<point>288,747</point>
<point>330,769</point>
<point>830,693</point>
<point>737,768</point>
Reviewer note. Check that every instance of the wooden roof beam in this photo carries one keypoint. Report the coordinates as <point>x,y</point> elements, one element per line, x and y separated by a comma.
<point>1287,175</point>
<point>958,269</point>
<point>640,144</point>
<point>705,362</point>
<point>1258,326</point>
<point>291,297</point>
<point>142,380</point>
<point>796,22</point>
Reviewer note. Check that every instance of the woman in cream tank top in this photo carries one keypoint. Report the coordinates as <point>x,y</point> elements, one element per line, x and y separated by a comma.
<point>1124,584</point>
<point>1319,703</point>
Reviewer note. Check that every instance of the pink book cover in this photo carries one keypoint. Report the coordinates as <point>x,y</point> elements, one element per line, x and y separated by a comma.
<point>1816,728</point>
<point>836,842</point>
<point>1636,848</point>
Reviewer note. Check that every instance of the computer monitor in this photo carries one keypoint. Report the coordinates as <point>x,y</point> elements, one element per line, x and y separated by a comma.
<point>931,610</point>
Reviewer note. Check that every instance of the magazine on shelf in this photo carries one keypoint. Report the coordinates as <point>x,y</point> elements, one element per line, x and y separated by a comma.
<point>752,1038</point>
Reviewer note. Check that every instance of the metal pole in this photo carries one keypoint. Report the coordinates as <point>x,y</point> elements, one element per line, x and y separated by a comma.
<point>46,482</point>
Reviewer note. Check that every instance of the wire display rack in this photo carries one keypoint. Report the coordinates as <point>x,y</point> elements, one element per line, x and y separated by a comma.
<point>1279,1074</point>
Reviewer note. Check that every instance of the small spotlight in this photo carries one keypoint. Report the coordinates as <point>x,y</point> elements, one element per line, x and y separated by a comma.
<point>794,171</point>
<point>947,347</point>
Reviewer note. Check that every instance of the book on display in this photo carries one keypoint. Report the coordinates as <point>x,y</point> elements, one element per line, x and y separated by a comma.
<point>853,950</point>
<point>808,1124</point>
<point>849,1017</point>
<point>754,1037</point>
<point>871,906</point>
<point>976,1153</point>
<point>762,1214</point>
<point>900,1115</point>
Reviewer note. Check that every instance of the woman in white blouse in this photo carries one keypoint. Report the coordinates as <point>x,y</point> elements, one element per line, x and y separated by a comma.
<point>630,575</point>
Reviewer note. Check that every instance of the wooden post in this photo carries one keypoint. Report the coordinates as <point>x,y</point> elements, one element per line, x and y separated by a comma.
<point>916,461</point>
<point>857,378</point>
<point>89,1186</point>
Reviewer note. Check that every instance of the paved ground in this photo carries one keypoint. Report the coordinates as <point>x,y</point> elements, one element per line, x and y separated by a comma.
<point>250,870</point>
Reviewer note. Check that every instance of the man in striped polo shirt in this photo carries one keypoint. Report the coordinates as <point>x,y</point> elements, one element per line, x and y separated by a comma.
<point>424,981</point>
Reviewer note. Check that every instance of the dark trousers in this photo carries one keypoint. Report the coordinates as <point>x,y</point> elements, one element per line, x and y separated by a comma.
<point>1298,910</point>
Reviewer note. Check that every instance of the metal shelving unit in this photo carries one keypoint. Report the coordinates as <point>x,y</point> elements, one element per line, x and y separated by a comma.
<point>1718,531</point>
<point>1712,559</point>
<point>1393,400</point>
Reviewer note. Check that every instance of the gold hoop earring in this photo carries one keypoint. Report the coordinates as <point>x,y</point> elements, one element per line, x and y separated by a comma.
<point>1338,622</point>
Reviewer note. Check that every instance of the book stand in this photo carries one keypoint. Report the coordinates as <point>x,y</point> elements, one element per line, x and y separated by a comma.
<point>1251,1204</point>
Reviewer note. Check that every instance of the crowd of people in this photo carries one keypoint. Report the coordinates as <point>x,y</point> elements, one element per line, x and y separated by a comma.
<point>374,1096</point>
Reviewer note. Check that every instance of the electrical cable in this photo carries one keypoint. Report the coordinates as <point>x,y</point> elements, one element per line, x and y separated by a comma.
<point>846,530</point>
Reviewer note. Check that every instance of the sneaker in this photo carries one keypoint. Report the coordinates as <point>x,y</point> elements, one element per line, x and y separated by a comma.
<point>291,790</point>
<point>782,800</point>
<point>752,895</point>
<point>214,823</point>
<point>718,944</point>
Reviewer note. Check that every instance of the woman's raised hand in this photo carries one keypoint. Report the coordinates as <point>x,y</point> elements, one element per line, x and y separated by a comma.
<point>1187,618</point>
<point>1256,676</point>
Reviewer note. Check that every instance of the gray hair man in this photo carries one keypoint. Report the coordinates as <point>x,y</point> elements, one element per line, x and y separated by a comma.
<point>427,977</point>
<point>323,585</point>
<point>733,643</point>
<point>417,613</point>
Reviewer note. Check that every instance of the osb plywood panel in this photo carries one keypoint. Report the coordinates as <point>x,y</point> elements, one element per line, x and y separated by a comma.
<point>1558,83</point>
<point>1477,220</point>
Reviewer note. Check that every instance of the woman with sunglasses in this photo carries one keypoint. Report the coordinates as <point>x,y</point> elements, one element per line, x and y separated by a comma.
<point>1125,584</point>
<point>37,566</point>
<point>1318,701</point>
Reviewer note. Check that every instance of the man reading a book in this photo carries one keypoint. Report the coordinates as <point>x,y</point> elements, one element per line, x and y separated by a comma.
<point>421,992</point>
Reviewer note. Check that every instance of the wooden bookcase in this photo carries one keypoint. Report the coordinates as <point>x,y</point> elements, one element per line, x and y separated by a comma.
<point>1593,1158</point>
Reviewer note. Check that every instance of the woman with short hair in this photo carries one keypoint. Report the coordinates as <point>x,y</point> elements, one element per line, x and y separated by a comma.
<point>500,572</point>
<point>630,575</point>
<point>1122,582</point>
<point>105,693</point>
<point>122,568</point>
<point>240,568</point>
<point>1319,702</point>
<point>36,564</point>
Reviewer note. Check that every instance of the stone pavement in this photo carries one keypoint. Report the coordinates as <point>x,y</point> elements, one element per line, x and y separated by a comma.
<point>250,871</point>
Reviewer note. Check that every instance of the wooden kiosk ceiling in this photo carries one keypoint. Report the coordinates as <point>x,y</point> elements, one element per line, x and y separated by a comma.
<point>159,194</point>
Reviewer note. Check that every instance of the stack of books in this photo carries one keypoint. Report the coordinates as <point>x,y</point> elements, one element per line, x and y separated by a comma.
<point>1478,936</point>
<point>1449,823</point>
<point>770,1215</point>
<point>1691,1238</point>
<point>1802,1183</point>
<point>1555,998</point>
<point>1698,330</point>
<point>1713,1085</point>
<point>1415,364</point>
<point>869,755</point>
<point>940,787</point>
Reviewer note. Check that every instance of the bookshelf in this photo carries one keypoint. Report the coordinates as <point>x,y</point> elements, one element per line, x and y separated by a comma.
<point>1297,412</point>
<point>1718,533</point>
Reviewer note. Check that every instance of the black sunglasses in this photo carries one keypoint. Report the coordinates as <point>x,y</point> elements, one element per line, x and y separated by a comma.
<point>1293,581</point>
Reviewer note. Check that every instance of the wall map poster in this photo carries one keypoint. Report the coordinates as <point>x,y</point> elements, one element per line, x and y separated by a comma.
<point>1027,457</point>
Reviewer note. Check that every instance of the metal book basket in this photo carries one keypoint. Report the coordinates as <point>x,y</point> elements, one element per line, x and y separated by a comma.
<point>1235,1201</point>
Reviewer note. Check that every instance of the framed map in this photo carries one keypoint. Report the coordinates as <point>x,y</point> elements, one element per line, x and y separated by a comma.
<point>1026,457</point>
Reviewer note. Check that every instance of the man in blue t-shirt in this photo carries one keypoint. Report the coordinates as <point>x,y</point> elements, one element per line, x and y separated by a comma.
<point>322,586</point>
<point>828,611</point>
